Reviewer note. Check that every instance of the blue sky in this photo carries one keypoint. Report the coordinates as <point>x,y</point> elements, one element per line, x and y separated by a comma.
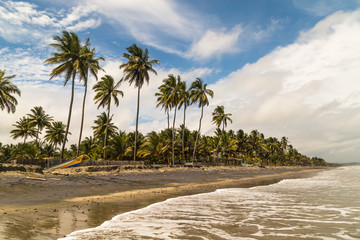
<point>284,67</point>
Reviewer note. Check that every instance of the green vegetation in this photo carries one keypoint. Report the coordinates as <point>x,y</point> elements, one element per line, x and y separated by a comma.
<point>169,146</point>
<point>7,101</point>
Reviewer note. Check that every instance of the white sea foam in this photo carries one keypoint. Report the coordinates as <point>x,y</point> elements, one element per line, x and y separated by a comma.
<point>326,206</point>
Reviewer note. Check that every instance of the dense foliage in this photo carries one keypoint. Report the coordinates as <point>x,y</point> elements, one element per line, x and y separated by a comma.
<point>156,148</point>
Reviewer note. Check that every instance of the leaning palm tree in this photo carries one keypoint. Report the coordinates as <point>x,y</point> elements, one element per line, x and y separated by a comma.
<point>184,100</point>
<point>7,100</point>
<point>106,90</point>
<point>40,119</point>
<point>24,129</point>
<point>69,57</point>
<point>199,95</point>
<point>89,64</point>
<point>172,87</point>
<point>55,133</point>
<point>136,71</point>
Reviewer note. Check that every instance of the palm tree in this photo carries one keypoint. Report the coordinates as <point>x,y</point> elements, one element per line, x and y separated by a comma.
<point>69,57</point>
<point>171,89</point>
<point>39,118</point>
<point>163,101</point>
<point>119,145</point>
<point>199,95</point>
<point>91,64</point>
<point>136,71</point>
<point>55,133</point>
<point>184,100</point>
<point>7,100</point>
<point>23,128</point>
<point>152,147</point>
<point>106,90</point>
<point>102,124</point>
<point>220,117</point>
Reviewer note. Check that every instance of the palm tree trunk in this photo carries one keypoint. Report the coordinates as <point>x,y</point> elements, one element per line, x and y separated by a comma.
<point>37,135</point>
<point>222,137</point>
<point>69,117</point>
<point>106,131</point>
<point>183,134</point>
<point>198,133</point>
<point>173,138</point>
<point>82,120</point>
<point>168,118</point>
<point>137,122</point>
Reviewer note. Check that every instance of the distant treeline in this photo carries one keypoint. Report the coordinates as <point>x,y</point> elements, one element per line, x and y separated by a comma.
<point>156,148</point>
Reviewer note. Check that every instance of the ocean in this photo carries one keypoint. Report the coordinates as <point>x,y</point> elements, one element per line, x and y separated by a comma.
<point>325,206</point>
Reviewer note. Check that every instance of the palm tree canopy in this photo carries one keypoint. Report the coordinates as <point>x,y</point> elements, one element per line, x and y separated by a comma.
<point>199,93</point>
<point>169,92</point>
<point>138,65</point>
<point>39,118</point>
<point>220,117</point>
<point>55,133</point>
<point>100,125</point>
<point>184,95</point>
<point>106,89</point>
<point>7,89</point>
<point>89,63</point>
<point>172,87</point>
<point>162,99</point>
<point>23,128</point>
<point>69,55</point>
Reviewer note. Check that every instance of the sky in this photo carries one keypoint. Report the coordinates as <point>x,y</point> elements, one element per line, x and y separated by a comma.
<point>284,67</point>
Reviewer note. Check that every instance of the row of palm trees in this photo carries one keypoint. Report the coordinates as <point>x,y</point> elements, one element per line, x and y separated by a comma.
<point>173,95</point>
<point>157,147</point>
<point>74,59</point>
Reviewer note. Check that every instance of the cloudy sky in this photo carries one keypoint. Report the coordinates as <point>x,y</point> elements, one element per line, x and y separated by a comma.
<point>284,67</point>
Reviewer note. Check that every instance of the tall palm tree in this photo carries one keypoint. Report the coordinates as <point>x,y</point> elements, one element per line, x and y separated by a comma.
<point>7,100</point>
<point>136,71</point>
<point>184,101</point>
<point>199,95</point>
<point>55,133</point>
<point>39,118</point>
<point>69,56</point>
<point>172,86</point>
<point>23,128</point>
<point>106,90</point>
<point>89,64</point>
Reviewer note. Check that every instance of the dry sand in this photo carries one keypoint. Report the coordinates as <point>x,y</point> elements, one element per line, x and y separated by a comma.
<point>51,205</point>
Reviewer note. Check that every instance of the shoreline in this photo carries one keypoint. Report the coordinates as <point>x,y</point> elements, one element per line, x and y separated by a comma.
<point>49,206</point>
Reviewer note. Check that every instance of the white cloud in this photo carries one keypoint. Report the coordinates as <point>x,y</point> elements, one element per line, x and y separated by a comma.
<point>308,91</point>
<point>161,24</point>
<point>325,7</point>
<point>90,23</point>
<point>22,22</point>
<point>216,43</point>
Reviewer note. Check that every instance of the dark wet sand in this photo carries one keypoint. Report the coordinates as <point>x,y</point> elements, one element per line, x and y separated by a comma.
<point>48,206</point>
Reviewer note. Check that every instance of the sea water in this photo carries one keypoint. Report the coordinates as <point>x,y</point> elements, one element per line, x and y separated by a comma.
<point>326,206</point>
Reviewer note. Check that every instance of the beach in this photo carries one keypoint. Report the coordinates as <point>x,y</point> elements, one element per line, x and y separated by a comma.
<point>52,205</point>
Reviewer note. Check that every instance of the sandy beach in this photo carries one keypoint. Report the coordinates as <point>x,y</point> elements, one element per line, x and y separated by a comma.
<point>51,205</point>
